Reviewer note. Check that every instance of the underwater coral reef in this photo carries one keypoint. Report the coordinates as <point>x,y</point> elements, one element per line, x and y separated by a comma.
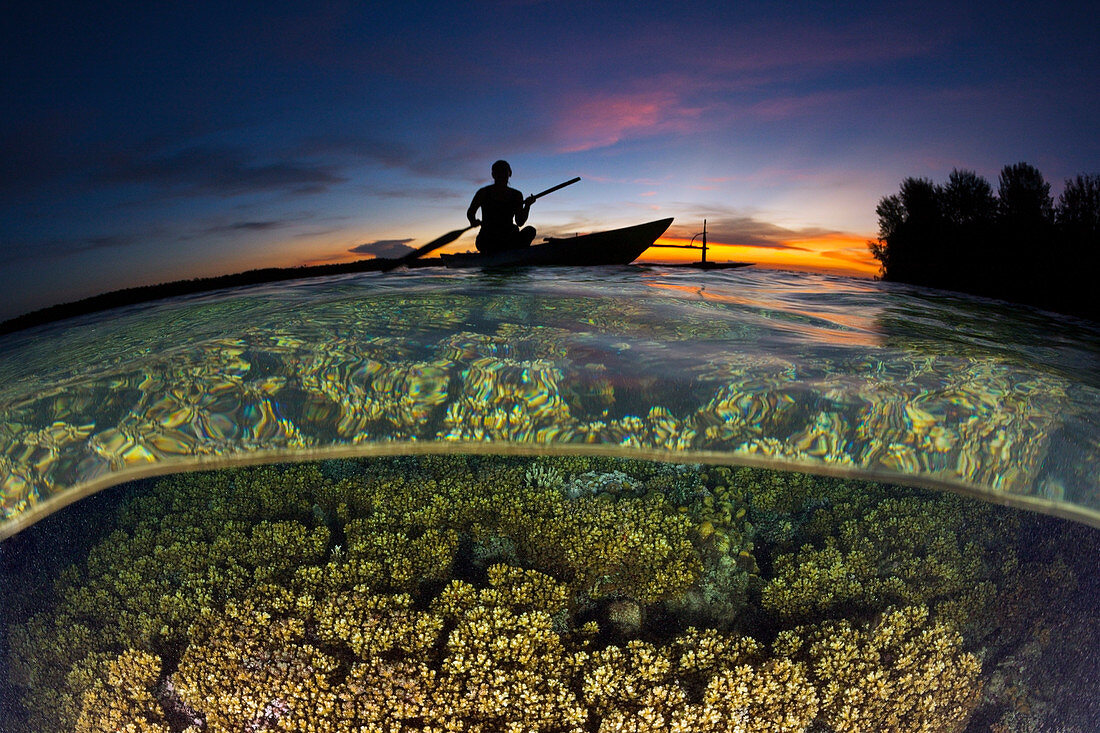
<point>485,593</point>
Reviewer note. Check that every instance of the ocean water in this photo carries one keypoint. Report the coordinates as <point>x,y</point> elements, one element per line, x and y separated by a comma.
<point>625,499</point>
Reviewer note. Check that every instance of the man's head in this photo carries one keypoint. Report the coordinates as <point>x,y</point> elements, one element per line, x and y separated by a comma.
<point>502,171</point>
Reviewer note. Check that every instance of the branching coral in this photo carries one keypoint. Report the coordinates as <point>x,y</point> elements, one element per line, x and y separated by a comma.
<point>776,696</point>
<point>472,594</point>
<point>903,673</point>
<point>867,548</point>
<point>637,547</point>
<point>702,681</point>
<point>244,667</point>
<point>119,694</point>
<point>506,672</point>
<point>634,547</point>
<point>204,540</point>
<point>373,625</point>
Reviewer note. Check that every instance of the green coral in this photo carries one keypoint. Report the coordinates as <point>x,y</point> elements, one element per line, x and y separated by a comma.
<point>724,536</point>
<point>867,547</point>
<point>186,548</point>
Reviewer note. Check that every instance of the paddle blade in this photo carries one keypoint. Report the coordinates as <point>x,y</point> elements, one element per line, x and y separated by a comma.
<point>425,249</point>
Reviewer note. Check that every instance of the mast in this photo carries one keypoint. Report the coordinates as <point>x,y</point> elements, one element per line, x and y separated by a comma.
<point>704,240</point>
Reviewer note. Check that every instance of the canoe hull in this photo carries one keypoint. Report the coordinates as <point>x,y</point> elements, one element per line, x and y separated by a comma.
<point>613,247</point>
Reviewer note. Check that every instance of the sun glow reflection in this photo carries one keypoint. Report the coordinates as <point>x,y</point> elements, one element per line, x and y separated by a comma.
<point>838,253</point>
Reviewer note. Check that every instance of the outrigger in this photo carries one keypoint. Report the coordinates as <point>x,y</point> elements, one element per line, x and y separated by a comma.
<point>703,263</point>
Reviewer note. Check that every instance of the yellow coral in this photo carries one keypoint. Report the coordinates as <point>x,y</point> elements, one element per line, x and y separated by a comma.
<point>904,673</point>
<point>121,699</point>
<point>374,624</point>
<point>872,548</point>
<point>248,667</point>
<point>325,601</point>
<point>776,696</point>
<point>386,692</point>
<point>505,671</point>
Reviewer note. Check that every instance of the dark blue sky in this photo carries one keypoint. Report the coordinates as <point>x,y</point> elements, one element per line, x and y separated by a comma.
<point>155,141</point>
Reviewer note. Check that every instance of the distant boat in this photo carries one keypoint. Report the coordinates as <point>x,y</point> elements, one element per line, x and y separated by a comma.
<point>613,247</point>
<point>708,265</point>
<point>703,263</point>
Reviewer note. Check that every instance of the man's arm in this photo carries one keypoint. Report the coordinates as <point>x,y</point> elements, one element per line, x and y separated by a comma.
<point>524,210</point>
<point>471,213</point>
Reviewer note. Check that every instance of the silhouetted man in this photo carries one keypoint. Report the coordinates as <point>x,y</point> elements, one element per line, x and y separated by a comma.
<point>503,212</point>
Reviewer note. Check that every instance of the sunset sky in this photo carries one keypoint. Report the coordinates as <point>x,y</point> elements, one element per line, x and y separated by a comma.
<point>157,141</point>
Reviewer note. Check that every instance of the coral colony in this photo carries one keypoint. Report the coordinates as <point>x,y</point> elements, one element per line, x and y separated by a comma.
<point>460,593</point>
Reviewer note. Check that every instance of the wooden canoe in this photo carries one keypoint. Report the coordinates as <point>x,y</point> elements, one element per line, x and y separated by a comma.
<point>613,247</point>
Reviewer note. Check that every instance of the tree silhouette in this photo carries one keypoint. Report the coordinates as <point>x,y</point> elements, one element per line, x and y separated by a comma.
<point>1023,197</point>
<point>970,211</point>
<point>907,221</point>
<point>1078,212</point>
<point>1016,244</point>
<point>1077,218</point>
<point>968,200</point>
<point>888,248</point>
<point>1025,234</point>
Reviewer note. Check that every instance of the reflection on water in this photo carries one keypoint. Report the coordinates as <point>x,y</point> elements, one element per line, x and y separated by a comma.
<point>812,372</point>
<point>487,593</point>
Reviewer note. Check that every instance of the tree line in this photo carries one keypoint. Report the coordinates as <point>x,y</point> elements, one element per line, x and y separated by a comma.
<point>1017,244</point>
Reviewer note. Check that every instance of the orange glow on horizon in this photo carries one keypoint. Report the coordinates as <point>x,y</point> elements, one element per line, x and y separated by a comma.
<point>333,259</point>
<point>843,254</point>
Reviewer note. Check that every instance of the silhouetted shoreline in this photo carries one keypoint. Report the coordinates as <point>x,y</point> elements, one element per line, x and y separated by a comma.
<point>176,288</point>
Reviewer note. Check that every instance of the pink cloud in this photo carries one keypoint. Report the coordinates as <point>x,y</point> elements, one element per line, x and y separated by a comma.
<point>667,104</point>
<point>600,120</point>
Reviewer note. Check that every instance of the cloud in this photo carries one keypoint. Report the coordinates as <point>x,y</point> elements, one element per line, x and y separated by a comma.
<point>748,231</point>
<point>848,255</point>
<point>384,248</point>
<point>755,72</point>
<point>390,153</point>
<point>11,253</point>
<point>252,226</point>
<point>60,247</point>
<point>218,171</point>
<point>428,193</point>
<point>449,153</point>
<point>600,120</point>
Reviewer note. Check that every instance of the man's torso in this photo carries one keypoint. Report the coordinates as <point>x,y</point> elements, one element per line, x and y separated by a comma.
<point>499,205</point>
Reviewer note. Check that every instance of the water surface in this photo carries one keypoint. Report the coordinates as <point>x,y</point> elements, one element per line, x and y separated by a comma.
<point>818,373</point>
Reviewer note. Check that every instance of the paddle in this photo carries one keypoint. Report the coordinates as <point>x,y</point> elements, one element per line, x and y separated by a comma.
<point>425,249</point>
<point>452,236</point>
<point>570,182</point>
